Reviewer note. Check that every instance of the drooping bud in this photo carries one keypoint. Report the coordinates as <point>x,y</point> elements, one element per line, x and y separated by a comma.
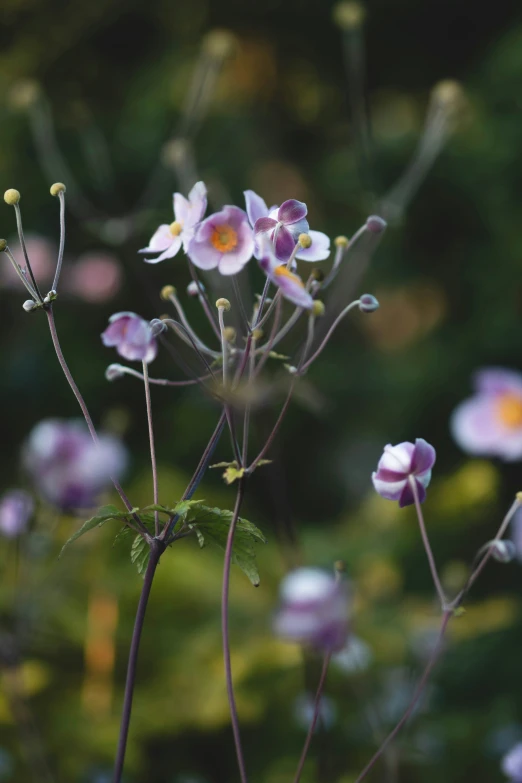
<point>3,245</point>
<point>375,224</point>
<point>502,551</point>
<point>368,303</point>
<point>57,188</point>
<point>317,308</point>
<point>348,14</point>
<point>305,240</point>
<point>157,326</point>
<point>223,303</point>
<point>229,333</point>
<point>12,197</point>
<point>29,305</point>
<point>113,372</point>
<point>167,291</point>
<point>341,241</point>
<point>175,228</point>
<point>193,289</point>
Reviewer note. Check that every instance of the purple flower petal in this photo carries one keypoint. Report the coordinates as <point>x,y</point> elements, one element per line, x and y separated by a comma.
<point>170,252</point>
<point>497,380</point>
<point>284,244</point>
<point>391,490</point>
<point>255,206</point>
<point>423,457</point>
<point>291,211</point>
<point>264,224</point>
<point>202,254</point>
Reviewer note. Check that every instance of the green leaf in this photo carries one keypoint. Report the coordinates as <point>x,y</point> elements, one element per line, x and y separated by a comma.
<point>103,515</point>
<point>214,523</point>
<point>140,553</point>
<point>232,474</point>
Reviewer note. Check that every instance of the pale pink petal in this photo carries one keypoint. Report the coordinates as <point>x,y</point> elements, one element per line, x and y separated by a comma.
<point>161,239</point>
<point>181,207</point>
<point>318,250</point>
<point>202,254</point>
<point>497,380</point>
<point>170,252</point>
<point>475,426</point>
<point>255,206</point>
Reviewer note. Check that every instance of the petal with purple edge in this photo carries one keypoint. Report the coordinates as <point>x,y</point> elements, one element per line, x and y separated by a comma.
<point>397,457</point>
<point>406,498</point>
<point>264,224</point>
<point>292,210</point>
<point>389,475</point>
<point>255,206</point>
<point>295,229</point>
<point>318,250</point>
<point>388,489</point>
<point>423,457</point>
<point>284,244</point>
<point>292,288</point>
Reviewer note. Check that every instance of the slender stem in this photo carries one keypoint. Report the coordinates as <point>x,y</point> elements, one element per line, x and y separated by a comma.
<point>315,716</point>
<point>340,254</point>
<point>24,249</point>
<point>84,409</point>
<point>239,299</point>
<point>427,545</point>
<point>224,345</point>
<point>152,449</point>
<point>270,341</point>
<point>156,550</point>
<point>204,300</point>
<point>329,334</point>
<point>21,273</point>
<point>268,313</point>
<point>261,305</point>
<point>189,330</point>
<point>416,696</point>
<point>161,381</point>
<point>225,630</point>
<point>284,329</point>
<point>275,429</point>
<point>178,327</point>
<point>61,196</point>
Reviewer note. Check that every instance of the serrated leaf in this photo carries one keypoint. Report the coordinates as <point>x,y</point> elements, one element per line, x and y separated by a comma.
<point>224,465</point>
<point>182,508</point>
<point>156,507</point>
<point>140,553</point>
<point>214,524</point>
<point>232,474</point>
<point>103,515</point>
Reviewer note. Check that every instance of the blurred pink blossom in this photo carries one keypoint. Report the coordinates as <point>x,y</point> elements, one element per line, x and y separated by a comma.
<point>42,254</point>
<point>96,277</point>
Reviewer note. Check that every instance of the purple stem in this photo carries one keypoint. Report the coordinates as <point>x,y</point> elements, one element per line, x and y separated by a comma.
<point>427,546</point>
<point>152,449</point>
<point>156,550</point>
<point>317,709</point>
<point>225,631</point>
<point>275,429</point>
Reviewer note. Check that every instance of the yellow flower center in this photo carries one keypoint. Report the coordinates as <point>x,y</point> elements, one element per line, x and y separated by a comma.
<point>224,238</point>
<point>509,410</point>
<point>175,228</point>
<point>283,271</point>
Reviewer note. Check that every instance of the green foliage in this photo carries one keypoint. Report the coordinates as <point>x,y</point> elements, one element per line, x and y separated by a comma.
<point>103,515</point>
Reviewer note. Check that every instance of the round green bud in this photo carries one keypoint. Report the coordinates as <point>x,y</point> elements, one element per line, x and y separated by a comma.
<point>341,241</point>
<point>57,188</point>
<point>223,303</point>
<point>229,333</point>
<point>317,308</point>
<point>12,197</point>
<point>348,14</point>
<point>3,245</point>
<point>167,291</point>
<point>305,240</point>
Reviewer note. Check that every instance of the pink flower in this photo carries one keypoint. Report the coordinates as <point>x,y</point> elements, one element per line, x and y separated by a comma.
<point>490,422</point>
<point>289,221</point>
<point>42,255</point>
<point>167,239</point>
<point>67,467</point>
<point>314,609</point>
<point>95,277</point>
<point>512,764</point>
<point>131,336</point>
<point>16,509</point>
<point>223,241</point>
<point>290,284</point>
<point>401,464</point>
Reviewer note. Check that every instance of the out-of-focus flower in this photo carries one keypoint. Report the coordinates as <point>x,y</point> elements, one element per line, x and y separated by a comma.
<point>490,422</point>
<point>42,255</point>
<point>16,508</point>
<point>167,239</point>
<point>69,470</point>
<point>290,284</point>
<point>516,533</point>
<point>223,241</point>
<point>131,336</point>
<point>401,463</point>
<point>512,763</point>
<point>95,277</point>
<point>313,610</point>
<point>286,223</point>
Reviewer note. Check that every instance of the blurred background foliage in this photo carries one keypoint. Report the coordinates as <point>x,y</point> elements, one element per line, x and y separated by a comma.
<point>137,99</point>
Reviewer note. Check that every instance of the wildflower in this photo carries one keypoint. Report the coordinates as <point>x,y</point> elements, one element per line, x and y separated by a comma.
<point>290,284</point>
<point>490,422</point>
<point>285,224</point>
<point>95,277</point>
<point>167,239</point>
<point>69,470</point>
<point>131,336</point>
<point>399,466</point>
<point>314,609</point>
<point>512,763</point>
<point>16,508</point>
<point>224,241</point>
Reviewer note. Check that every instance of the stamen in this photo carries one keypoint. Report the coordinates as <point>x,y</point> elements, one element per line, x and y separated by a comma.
<point>224,238</point>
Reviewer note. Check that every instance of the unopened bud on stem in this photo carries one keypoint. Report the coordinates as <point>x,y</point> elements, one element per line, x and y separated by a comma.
<point>341,241</point>
<point>3,245</point>
<point>223,303</point>
<point>57,188</point>
<point>113,372</point>
<point>229,333</point>
<point>12,197</point>
<point>167,291</point>
<point>29,305</point>
<point>375,224</point>
<point>157,326</point>
<point>193,289</point>
<point>368,303</point>
<point>348,14</point>
<point>317,308</point>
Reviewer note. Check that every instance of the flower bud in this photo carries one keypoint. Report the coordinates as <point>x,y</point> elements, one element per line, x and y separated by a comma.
<point>29,305</point>
<point>348,14</point>
<point>193,289</point>
<point>57,188</point>
<point>305,240</point>
<point>368,303</point>
<point>175,228</point>
<point>157,326</point>
<point>502,551</point>
<point>375,224</point>
<point>167,291</point>
<point>317,308</point>
<point>113,372</point>
<point>341,241</point>
<point>229,333</point>
<point>223,303</point>
<point>3,245</point>
<point>12,197</point>
<point>50,297</point>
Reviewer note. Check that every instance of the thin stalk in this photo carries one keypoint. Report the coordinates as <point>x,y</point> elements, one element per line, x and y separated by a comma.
<point>273,332</point>
<point>419,690</point>
<point>261,305</point>
<point>427,545</point>
<point>24,249</point>
<point>84,409</point>
<point>161,381</point>
<point>340,254</point>
<point>156,550</point>
<point>203,300</point>
<point>284,329</point>
<point>189,330</point>
<point>239,298</point>
<point>225,630</point>
<point>317,709</point>
<point>275,429</point>
<point>20,272</point>
<point>269,310</point>
<point>152,448</point>
<point>177,327</point>
<point>329,334</point>
<point>61,196</point>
